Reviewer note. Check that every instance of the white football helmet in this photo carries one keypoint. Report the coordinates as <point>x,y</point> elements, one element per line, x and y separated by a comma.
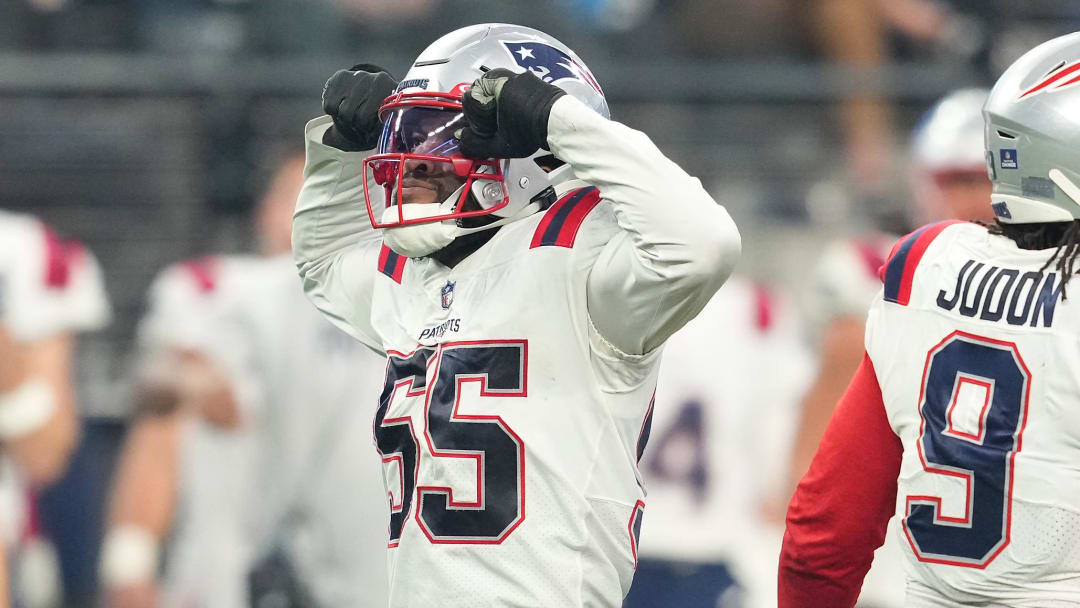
<point>422,116</point>
<point>950,135</point>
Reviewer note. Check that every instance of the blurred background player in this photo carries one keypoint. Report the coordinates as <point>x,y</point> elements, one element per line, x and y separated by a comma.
<point>961,416</point>
<point>948,180</point>
<point>252,449</point>
<point>50,290</point>
<point>718,447</point>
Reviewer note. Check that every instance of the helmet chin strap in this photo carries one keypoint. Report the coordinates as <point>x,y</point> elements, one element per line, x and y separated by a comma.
<point>420,240</point>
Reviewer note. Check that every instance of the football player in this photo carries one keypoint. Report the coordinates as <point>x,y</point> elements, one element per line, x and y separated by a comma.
<point>50,290</point>
<point>250,438</point>
<point>948,180</point>
<point>958,419</point>
<point>528,260</point>
<point>718,452</point>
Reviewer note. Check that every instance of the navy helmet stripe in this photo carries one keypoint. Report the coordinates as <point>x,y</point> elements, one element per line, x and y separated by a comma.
<point>551,235</point>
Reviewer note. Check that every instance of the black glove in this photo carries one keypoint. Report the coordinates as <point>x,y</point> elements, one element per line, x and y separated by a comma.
<point>352,98</point>
<point>507,115</point>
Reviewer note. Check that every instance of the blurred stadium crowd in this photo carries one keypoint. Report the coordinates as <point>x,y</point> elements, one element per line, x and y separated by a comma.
<point>156,132</point>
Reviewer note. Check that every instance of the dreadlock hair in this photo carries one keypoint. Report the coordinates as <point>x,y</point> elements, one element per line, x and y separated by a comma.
<point>1064,237</point>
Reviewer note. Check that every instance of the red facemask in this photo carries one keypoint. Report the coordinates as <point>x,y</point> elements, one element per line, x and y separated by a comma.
<point>419,161</point>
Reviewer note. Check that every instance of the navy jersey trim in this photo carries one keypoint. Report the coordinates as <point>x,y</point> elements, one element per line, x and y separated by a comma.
<point>560,224</point>
<point>900,268</point>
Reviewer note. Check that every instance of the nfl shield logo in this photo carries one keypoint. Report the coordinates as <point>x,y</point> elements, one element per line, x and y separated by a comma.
<point>447,295</point>
<point>1008,158</point>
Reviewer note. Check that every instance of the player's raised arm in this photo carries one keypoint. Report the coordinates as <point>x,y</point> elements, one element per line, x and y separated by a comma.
<point>335,247</point>
<point>677,244</point>
<point>840,510</point>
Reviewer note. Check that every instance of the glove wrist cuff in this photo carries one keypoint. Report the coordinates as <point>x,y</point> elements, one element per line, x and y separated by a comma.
<point>527,92</point>
<point>543,113</point>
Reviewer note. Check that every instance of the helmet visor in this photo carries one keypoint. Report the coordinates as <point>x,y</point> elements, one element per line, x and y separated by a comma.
<point>421,130</point>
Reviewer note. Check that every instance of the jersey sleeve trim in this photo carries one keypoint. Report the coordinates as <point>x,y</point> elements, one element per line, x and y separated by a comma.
<point>646,428</point>
<point>60,256</point>
<point>204,271</point>
<point>560,224</point>
<point>634,528</point>
<point>391,264</point>
<point>899,270</point>
<point>763,308</point>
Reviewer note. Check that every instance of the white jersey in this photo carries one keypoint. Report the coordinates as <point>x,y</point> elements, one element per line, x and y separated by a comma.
<point>298,472</point>
<point>519,381</point>
<point>48,285</point>
<point>975,353</point>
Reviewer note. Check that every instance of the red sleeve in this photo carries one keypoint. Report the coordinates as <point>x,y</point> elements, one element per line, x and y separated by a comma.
<point>841,509</point>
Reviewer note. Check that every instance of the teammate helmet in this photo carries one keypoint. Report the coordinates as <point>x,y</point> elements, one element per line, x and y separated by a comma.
<point>947,149</point>
<point>422,116</point>
<point>1033,135</point>
<point>949,138</point>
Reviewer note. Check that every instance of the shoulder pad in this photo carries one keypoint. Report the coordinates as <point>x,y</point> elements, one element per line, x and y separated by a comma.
<point>899,269</point>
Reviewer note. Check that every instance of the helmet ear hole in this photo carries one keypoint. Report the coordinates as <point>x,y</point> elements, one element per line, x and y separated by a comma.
<point>548,162</point>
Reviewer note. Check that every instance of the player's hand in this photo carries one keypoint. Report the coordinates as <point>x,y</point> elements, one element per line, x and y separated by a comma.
<point>209,393</point>
<point>507,115</point>
<point>352,98</point>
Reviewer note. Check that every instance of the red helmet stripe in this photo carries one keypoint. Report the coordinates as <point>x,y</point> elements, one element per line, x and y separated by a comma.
<point>1072,80</point>
<point>1051,79</point>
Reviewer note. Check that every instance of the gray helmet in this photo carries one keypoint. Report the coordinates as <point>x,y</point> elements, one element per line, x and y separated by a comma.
<point>505,188</point>
<point>1033,135</point>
